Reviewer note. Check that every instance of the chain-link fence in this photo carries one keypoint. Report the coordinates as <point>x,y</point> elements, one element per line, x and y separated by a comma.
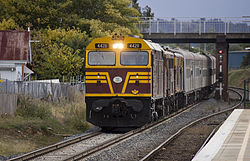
<point>51,91</point>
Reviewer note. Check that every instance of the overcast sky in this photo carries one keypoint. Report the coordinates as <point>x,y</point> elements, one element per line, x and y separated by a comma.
<point>198,8</point>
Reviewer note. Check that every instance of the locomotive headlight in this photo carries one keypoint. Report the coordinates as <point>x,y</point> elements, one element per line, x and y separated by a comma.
<point>118,46</point>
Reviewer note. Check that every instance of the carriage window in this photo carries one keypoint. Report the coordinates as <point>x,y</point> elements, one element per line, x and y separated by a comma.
<point>101,58</point>
<point>139,58</point>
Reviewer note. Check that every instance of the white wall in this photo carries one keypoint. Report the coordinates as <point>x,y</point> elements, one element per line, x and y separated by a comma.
<point>12,72</point>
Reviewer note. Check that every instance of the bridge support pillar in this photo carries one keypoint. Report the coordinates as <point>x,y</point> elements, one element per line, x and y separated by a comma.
<point>221,68</point>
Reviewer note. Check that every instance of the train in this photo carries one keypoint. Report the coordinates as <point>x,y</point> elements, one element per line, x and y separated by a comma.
<point>130,82</point>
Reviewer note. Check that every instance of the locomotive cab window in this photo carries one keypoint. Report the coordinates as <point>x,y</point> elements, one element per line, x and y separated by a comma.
<point>101,58</point>
<point>137,58</point>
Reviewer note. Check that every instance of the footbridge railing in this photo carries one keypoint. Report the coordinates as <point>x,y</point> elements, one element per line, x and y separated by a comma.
<point>195,25</point>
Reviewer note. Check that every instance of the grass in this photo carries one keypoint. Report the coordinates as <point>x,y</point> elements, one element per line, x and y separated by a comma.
<point>236,77</point>
<point>38,123</point>
<point>16,140</point>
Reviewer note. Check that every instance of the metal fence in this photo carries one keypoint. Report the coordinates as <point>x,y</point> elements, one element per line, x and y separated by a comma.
<point>195,25</point>
<point>45,90</point>
<point>246,93</point>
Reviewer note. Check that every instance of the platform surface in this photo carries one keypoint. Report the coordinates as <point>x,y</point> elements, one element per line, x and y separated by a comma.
<point>231,142</point>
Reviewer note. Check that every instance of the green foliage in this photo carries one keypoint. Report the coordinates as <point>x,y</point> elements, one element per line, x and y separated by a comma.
<point>147,12</point>
<point>136,5</point>
<point>241,47</point>
<point>99,29</point>
<point>42,115</point>
<point>73,38</point>
<point>40,13</point>
<point>104,17</point>
<point>60,52</point>
<point>65,27</point>
<point>8,25</point>
<point>28,130</point>
<point>235,47</point>
<point>28,108</point>
<point>236,77</point>
<point>238,47</point>
<point>75,116</point>
<point>59,60</point>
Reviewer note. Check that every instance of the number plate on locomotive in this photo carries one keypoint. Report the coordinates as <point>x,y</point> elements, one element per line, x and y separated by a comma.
<point>102,45</point>
<point>134,45</point>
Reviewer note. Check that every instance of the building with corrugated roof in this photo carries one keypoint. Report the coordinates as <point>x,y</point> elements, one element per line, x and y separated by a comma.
<point>14,55</point>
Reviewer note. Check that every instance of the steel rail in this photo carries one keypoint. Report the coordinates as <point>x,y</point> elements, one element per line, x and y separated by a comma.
<point>238,88</point>
<point>209,137</point>
<point>50,148</point>
<point>57,146</point>
<point>170,139</point>
<point>107,144</point>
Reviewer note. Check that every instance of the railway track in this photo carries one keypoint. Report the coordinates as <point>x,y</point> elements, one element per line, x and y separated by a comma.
<point>59,151</point>
<point>51,148</point>
<point>154,152</point>
<point>85,154</point>
<point>83,147</point>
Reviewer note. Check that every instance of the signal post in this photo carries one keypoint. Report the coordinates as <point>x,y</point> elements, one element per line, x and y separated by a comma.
<point>221,68</point>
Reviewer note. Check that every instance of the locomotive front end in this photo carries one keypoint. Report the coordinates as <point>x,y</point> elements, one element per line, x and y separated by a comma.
<point>118,82</point>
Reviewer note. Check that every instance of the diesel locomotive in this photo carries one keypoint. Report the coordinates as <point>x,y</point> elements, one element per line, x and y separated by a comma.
<point>131,81</point>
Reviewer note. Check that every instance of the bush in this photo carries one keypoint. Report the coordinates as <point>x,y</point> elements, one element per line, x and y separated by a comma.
<point>72,114</point>
<point>76,117</point>
<point>32,108</point>
<point>60,117</point>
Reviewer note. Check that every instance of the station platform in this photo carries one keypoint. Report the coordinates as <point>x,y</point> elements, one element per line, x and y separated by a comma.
<point>231,142</point>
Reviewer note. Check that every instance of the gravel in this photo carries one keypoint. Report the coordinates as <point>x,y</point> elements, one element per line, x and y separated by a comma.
<point>138,146</point>
<point>66,152</point>
<point>2,158</point>
<point>185,146</point>
<point>93,129</point>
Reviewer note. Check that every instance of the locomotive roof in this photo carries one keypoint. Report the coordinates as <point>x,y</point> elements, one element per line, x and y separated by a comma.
<point>154,46</point>
<point>145,44</point>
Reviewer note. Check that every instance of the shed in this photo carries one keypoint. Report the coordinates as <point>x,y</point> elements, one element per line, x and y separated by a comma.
<point>14,55</point>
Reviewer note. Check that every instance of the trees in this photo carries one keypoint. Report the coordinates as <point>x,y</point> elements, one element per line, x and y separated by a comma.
<point>105,17</point>
<point>65,27</point>
<point>135,5</point>
<point>60,52</point>
<point>109,14</point>
<point>147,12</point>
<point>8,25</point>
<point>40,13</point>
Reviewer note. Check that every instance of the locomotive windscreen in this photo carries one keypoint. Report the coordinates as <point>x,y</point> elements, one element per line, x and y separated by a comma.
<point>101,58</point>
<point>138,58</point>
